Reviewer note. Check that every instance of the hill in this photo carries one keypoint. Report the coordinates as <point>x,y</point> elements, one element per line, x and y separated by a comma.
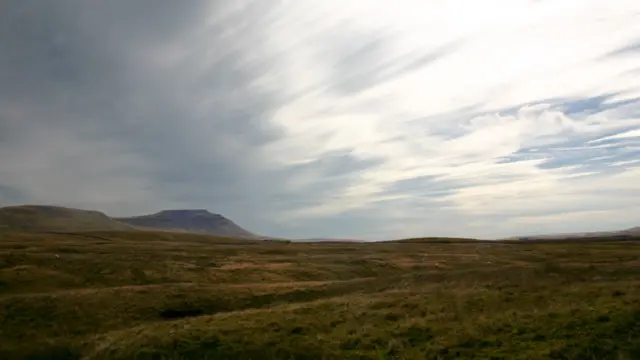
<point>329,240</point>
<point>39,218</point>
<point>194,221</point>
<point>437,240</point>
<point>635,231</point>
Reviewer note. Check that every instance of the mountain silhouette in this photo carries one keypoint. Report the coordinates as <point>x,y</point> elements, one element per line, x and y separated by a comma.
<point>195,221</point>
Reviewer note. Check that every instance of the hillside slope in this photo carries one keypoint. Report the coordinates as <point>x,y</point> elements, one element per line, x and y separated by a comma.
<point>39,218</point>
<point>195,221</point>
<point>635,231</point>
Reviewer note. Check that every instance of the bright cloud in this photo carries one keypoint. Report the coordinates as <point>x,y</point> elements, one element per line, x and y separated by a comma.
<point>371,119</point>
<point>405,86</point>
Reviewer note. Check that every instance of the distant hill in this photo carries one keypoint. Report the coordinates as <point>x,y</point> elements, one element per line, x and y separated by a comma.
<point>635,231</point>
<point>437,240</point>
<point>328,240</point>
<point>39,218</point>
<point>194,221</point>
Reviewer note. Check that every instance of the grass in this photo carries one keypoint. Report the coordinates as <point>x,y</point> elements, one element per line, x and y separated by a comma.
<point>30,218</point>
<point>158,295</point>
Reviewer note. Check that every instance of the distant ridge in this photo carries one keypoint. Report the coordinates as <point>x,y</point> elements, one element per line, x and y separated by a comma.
<point>329,240</point>
<point>190,220</point>
<point>44,218</point>
<point>635,231</point>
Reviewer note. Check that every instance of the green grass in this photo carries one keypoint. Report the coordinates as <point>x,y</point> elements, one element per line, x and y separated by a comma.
<point>157,295</point>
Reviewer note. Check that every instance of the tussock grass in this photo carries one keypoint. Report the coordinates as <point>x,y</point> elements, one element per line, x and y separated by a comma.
<point>157,295</point>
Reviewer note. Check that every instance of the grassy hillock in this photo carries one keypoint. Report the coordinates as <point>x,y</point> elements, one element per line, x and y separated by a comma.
<point>37,218</point>
<point>155,295</point>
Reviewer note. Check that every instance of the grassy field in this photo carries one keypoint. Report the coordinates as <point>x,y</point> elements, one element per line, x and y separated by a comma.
<point>144,295</point>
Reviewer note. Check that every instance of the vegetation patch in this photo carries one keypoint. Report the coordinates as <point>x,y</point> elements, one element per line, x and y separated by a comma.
<point>154,295</point>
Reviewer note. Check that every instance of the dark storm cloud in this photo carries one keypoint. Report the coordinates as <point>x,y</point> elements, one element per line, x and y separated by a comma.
<point>145,104</point>
<point>162,88</point>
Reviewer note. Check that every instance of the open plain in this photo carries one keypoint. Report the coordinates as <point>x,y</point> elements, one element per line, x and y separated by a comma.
<point>160,295</point>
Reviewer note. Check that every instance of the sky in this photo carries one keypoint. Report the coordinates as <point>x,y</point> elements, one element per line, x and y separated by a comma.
<point>360,119</point>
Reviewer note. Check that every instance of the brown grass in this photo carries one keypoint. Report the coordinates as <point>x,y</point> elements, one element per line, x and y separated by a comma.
<point>146,295</point>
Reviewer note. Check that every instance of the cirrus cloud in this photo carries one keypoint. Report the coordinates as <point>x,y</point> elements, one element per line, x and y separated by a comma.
<point>324,118</point>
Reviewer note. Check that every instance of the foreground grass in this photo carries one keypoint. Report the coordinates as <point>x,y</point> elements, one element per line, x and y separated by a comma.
<point>140,295</point>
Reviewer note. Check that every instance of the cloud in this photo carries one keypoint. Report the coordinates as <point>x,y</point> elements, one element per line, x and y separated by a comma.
<point>624,135</point>
<point>326,118</point>
<point>627,50</point>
